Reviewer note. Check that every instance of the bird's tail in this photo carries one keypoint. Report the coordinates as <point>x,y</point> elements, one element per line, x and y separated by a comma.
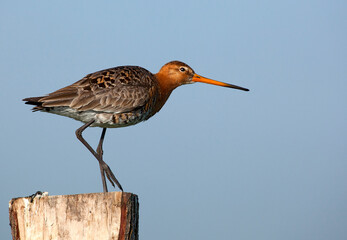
<point>34,101</point>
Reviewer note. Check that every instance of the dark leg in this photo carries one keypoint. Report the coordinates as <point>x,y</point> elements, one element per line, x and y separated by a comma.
<point>104,168</point>
<point>100,152</point>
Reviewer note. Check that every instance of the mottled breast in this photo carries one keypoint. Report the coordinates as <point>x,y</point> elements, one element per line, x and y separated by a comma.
<point>114,97</point>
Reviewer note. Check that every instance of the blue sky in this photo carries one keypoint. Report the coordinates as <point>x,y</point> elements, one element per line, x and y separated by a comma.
<point>214,163</point>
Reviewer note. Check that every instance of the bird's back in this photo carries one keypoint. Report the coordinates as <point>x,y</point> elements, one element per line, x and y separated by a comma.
<point>113,97</point>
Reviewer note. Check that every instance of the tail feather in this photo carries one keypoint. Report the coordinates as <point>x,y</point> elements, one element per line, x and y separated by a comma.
<point>34,101</point>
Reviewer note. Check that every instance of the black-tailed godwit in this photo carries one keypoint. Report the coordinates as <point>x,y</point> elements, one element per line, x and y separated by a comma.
<point>117,97</point>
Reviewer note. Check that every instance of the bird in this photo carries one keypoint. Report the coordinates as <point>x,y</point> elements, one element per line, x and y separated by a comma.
<point>117,97</point>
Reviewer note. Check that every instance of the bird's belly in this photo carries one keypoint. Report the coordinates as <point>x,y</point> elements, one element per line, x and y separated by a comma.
<point>102,119</point>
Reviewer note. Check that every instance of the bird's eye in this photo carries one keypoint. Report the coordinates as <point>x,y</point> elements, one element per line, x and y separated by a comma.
<point>182,69</point>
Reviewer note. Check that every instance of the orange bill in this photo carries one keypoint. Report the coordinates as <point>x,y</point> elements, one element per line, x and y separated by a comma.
<point>198,78</point>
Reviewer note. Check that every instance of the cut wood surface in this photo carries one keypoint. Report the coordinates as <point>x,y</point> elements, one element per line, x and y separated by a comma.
<point>112,215</point>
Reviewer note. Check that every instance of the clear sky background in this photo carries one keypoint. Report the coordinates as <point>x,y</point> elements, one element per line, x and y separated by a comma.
<point>215,163</point>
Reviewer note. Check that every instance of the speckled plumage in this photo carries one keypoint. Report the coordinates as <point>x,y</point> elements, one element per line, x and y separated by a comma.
<point>113,97</point>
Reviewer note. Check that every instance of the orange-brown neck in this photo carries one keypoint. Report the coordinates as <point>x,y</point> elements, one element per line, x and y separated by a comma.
<point>165,89</point>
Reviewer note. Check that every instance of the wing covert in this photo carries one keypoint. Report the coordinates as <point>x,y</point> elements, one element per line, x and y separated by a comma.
<point>116,90</point>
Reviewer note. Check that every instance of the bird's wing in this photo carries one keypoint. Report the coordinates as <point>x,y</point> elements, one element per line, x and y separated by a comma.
<point>115,90</point>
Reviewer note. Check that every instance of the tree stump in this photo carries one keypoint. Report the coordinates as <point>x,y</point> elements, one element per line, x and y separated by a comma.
<point>112,215</point>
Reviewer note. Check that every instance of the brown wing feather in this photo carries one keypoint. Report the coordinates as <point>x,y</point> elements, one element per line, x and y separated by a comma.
<point>119,89</point>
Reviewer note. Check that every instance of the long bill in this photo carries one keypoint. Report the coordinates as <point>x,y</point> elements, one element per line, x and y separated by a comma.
<point>198,78</point>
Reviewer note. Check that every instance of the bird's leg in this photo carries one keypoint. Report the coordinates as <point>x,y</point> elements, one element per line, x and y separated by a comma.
<point>104,168</point>
<point>100,152</point>
<point>103,165</point>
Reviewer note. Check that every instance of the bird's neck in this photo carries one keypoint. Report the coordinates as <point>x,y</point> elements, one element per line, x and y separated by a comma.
<point>165,89</point>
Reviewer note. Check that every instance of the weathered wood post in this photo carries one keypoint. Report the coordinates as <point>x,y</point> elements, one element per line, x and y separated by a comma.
<point>112,215</point>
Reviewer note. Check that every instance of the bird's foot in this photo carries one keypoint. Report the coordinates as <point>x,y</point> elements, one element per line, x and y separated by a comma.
<point>110,176</point>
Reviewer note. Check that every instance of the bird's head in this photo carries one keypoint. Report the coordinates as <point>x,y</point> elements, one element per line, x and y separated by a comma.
<point>177,73</point>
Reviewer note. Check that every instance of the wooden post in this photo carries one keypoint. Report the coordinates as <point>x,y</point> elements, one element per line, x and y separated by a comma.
<point>112,215</point>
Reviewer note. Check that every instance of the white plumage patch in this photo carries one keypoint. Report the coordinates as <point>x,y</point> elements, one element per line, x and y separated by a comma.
<point>102,119</point>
